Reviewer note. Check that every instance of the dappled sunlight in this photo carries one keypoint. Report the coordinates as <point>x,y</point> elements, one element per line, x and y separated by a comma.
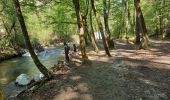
<point>157,56</point>
<point>67,94</point>
<point>75,78</point>
<point>149,82</point>
<point>81,50</point>
<point>128,73</point>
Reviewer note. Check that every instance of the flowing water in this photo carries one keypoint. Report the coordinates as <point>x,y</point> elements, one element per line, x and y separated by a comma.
<point>10,69</point>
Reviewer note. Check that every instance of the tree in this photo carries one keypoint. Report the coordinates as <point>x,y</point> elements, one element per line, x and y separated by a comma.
<point>39,65</point>
<point>161,19</point>
<point>141,31</point>
<point>94,43</point>
<point>97,15</point>
<point>85,25</point>
<point>106,10</point>
<point>127,18</point>
<point>81,28</point>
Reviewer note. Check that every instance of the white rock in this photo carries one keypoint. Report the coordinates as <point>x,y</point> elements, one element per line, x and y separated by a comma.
<point>27,54</point>
<point>38,76</point>
<point>23,79</point>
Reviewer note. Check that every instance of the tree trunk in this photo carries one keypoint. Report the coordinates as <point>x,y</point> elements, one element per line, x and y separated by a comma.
<point>84,17</point>
<point>106,10</point>
<point>141,31</point>
<point>127,18</point>
<point>100,28</point>
<point>81,29</point>
<point>122,21</point>
<point>145,31</point>
<point>86,31</point>
<point>94,43</point>
<point>161,17</point>
<point>39,65</point>
<point>134,21</point>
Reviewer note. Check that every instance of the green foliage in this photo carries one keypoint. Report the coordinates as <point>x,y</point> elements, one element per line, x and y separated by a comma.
<point>48,19</point>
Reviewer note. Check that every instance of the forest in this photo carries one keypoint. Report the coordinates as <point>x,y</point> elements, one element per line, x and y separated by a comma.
<point>85,49</point>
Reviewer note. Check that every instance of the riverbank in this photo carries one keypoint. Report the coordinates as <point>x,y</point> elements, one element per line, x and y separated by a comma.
<point>8,54</point>
<point>1,94</point>
<point>12,68</point>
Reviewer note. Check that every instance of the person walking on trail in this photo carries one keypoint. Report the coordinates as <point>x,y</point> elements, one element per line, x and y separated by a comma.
<point>66,50</point>
<point>74,48</point>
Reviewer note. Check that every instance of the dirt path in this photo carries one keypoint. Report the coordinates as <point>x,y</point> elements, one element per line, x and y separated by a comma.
<point>129,75</point>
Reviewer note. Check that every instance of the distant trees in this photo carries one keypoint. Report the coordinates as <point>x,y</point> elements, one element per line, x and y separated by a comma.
<point>48,20</point>
<point>8,22</point>
<point>83,28</point>
<point>21,20</point>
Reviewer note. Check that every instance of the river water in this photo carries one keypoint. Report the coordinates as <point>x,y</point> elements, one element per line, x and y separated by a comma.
<point>10,69</point>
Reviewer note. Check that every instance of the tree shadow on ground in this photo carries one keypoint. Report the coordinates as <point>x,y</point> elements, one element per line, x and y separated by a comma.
<point>97,80</point>
<point>129,75</point>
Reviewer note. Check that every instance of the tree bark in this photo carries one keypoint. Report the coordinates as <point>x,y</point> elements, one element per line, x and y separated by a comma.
<point>39,65</point>
<point>106,10</point>
<point>81,29</point>
<point>84,17</point>
<point>93,40</point>
<point>161,17</point>
<point>141,31</point>
<point>145,31</point>
<point>86,32</point>
<point>97,15</point>
<point>127,18</point>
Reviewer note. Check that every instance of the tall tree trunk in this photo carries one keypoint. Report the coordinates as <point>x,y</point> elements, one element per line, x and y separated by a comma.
<point>127,18</point>
<point>161,17</point>
<point>81,29</point>
<point>145,31</point>
<point>86,31</point>
<point>122,20</point>
<point>39,65</point>
<point>106,10</point>
<point>120,24</point>
<point>141,31</point>
<point>134,21</point>
<point>138,25</point>
<point>94,43</point>
<point>84,17</point>
<point>97,15</point>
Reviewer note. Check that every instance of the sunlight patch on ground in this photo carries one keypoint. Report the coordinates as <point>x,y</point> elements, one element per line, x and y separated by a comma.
<point>149,82</point>
<point>82,87</point>
<point>75,78</point>
<point>66,95</point>
<point>79,92</point>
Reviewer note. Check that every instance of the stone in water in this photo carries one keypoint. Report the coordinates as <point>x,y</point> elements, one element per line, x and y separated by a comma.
<point>23,79</point>
<point>38,77</point>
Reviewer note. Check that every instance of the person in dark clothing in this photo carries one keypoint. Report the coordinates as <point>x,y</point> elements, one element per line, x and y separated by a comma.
<point>66,50</point>
<point>74,48</point>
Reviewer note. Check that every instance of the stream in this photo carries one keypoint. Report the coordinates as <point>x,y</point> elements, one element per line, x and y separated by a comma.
<point>12,68</point>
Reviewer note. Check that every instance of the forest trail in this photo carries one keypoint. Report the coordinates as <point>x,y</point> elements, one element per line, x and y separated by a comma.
<point>128,75</point>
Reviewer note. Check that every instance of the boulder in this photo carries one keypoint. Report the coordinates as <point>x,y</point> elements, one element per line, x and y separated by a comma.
<point>38,77</point>
<point>23,79</point>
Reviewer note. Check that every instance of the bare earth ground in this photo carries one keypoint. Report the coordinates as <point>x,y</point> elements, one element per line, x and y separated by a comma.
<point>128,75</point>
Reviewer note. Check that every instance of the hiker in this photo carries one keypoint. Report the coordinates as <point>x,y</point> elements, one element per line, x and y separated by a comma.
<point>74,48</point>
<point>66,51</point>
